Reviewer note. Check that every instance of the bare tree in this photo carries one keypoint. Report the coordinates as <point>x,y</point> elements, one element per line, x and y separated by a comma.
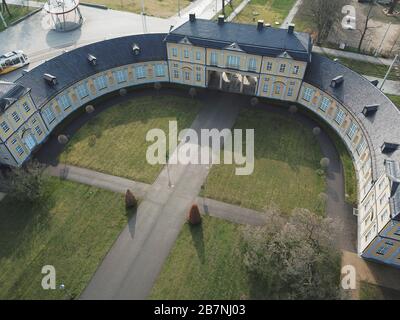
<point>365,26</point>
<point>324,15</point>
<point>392,6</point>
<point>4,7</point>
<point>294,258</point>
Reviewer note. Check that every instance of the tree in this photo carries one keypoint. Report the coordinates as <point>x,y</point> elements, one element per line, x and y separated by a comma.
<point>157,86</point>
<point>4,7</point>
<point>324,14</point>
<point>324,163</point>
<point>365,25</point>
<point>130,200</point>
<point>392,6</point>
<point>26,183</point>
<point>194,216</point>
<point>294,258</point>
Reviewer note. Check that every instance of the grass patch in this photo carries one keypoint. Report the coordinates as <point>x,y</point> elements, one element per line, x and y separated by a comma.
<point>157,8</point>
<point>267,10</point>
<point>16,13</point>
<point>395,99</point>
<point>114,141</point>
<point>286,167</point>
<point>72,228</point>
<point>206,263</point>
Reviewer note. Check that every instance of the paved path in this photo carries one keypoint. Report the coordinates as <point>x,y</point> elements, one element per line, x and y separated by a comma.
<point>288,20</point>
<point>98,179</point>
<point>131,266</point>
<point>237,10</point>
<point>352,55</point>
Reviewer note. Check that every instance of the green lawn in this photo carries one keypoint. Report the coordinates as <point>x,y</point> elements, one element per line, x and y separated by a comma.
<point>395,99</point>
<point>268,10</point>
<point>158,8</point>
<point>71,229</point>
<point>16,13</point>
<point>286,167</point>
<point>114,141</point>
<point>206,263</point>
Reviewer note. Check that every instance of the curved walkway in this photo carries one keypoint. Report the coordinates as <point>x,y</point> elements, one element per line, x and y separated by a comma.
<point>131,267</point>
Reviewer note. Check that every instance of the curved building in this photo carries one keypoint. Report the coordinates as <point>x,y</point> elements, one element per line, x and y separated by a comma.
<point>254,60</point>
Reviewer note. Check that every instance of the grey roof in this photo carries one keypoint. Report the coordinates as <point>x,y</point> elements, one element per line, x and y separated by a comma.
<point>73,66</point>
<point>355,93</point>
<point>266,42</point>
<point>9,93</point>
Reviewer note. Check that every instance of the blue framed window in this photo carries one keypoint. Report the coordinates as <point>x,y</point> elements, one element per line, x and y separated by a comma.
<point>160,70</point>
<point>214,58</point>
<point>140,72</point>
<point>198,55</point>
<point>252,64</point>
<point>48,114</point>
<point>4,126</point>
<point>340,116</point>
<point>82,91</point>
<point>308,93</point>
<point>174,52</point>
<point>325,103</point>
<point>121,76</point>
<point>352,130</point>
<point>100,82</point>
<point>64,101</point>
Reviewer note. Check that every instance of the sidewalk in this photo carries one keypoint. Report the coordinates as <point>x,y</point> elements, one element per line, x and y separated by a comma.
<point>288,20</point>
<point>237,10</point>
<point>390,86</point>
<point>352,55</point>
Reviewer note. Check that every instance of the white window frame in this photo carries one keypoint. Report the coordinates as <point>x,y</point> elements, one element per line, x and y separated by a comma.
<point>19,149</point>
<point>64,101</point>
<point>340,115</point>
<point>296,69</point>
<point>176,74</point>
<point>5,126</point>
<point>26,107</point>
<point>361,146</point>
<point>198,76</point>
<point>82,91</point>
<point>198,55</point>
<point>140,72</point>
<point>352,130</point>
<point>290,92</point>
<point>214,58</point>
<point>101,82</point>
<point>325,103</point>
<point>120,76</point>
<point>160,70</point>
<point>269,66</point>
<point>174,52</point>
<point>15,116</point>
<point>38,130</point>
<point>49,114</point>
<point>252,64</point>
<point>307,94</point>
<point>186,53</point>
<point>282,68</point>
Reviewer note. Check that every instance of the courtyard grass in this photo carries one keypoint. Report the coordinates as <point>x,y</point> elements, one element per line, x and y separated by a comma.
<point>268,10</point>
<point>72,228</point>
<point>370,291</point>
<point>206,263</point>
<point>114,142</point>
<point>286,171</point>
<point>157,8</point>
<point>16,13</point>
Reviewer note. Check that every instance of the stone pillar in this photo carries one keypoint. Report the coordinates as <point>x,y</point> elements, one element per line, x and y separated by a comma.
<point>220,81</point>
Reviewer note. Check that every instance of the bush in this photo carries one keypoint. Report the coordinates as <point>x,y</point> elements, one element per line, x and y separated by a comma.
<point>254,101</point>
<point>192,92</point>
<point>194,217</point>
<point>316,131</point>
<point>130,200</point>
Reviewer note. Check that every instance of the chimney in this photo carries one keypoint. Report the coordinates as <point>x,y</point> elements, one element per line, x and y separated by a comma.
<point>370,109</point>
<point>135,49</point>
<point>337,81</point>
<point>260,24</point>
<point>221,19</point>
<point>388,147</point>
<point>92,59</point>
<point>290,29</point>
<point>192,17</point>
<point>50,79</point>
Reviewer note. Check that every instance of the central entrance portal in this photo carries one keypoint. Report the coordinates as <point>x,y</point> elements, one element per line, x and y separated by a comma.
<point>231,81</point>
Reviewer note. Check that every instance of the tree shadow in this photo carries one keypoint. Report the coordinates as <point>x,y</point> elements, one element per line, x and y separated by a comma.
<point>198,240</point>
<point>131,214</point>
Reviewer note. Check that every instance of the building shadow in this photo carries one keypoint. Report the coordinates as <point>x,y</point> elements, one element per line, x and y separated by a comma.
<point>131,214</point>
